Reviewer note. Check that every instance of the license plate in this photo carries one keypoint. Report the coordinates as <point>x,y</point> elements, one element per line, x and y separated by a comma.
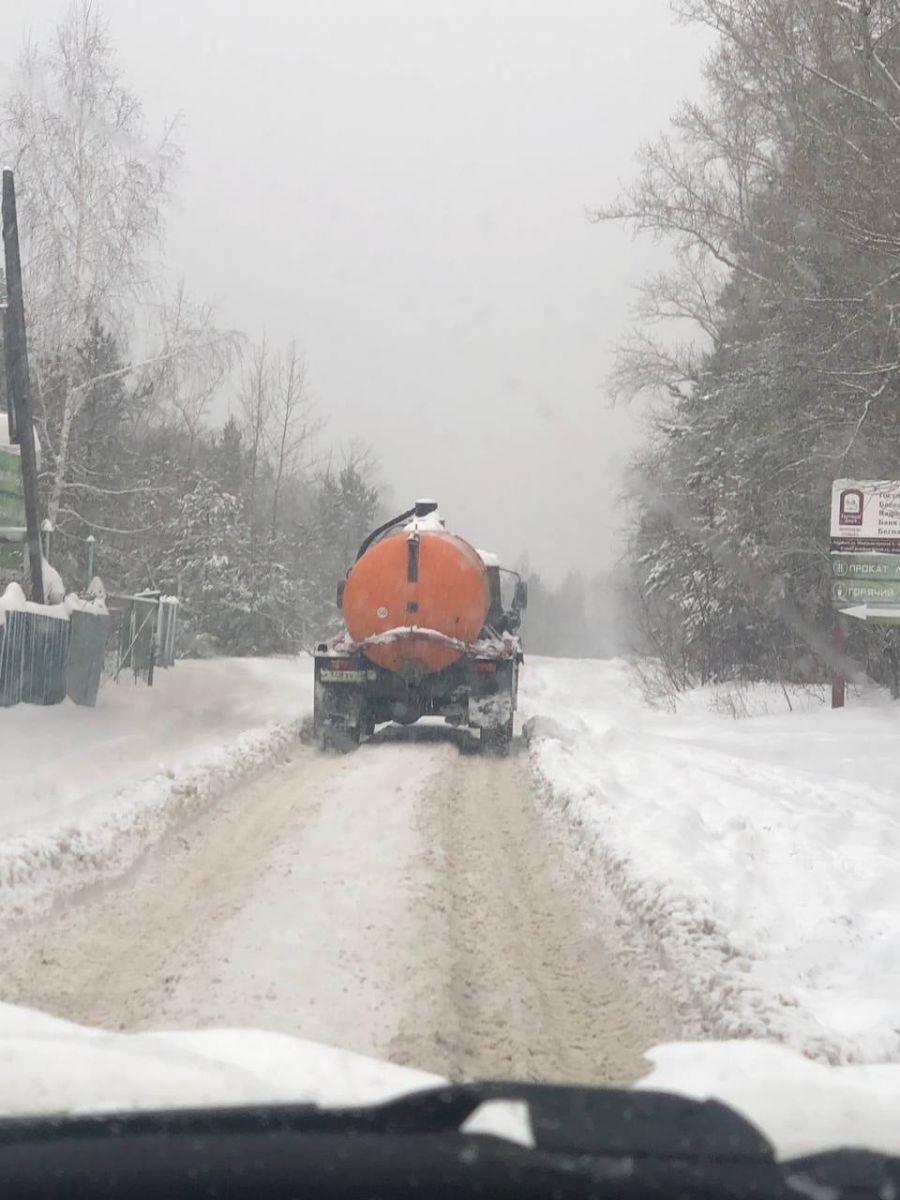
<point>344,676</point>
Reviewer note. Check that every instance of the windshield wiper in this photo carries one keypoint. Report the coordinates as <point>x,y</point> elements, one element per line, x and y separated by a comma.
<point>583,1142</point>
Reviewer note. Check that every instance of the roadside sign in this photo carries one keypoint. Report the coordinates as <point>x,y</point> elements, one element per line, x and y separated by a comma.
<point>12,509</point>
<point>12,494</point>
<point>865,566</point>
<point>869,591</point>
<point>865,549</point>
<point>880,614</point>
<point>865,516</point>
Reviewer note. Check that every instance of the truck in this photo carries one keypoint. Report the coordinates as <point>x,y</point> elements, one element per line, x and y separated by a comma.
<point>431,628</point>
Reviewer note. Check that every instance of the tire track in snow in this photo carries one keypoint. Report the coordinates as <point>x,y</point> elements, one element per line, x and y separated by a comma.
<point>408,901</point>
<point>531,982</point>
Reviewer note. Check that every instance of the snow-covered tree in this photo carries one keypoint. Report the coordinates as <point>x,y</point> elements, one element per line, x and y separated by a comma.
<point>777,198</point>
<point>237,520</point>
<point>92,183</point>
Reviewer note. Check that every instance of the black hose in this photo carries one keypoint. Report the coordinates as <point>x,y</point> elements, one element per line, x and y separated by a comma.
<point>404,516</point>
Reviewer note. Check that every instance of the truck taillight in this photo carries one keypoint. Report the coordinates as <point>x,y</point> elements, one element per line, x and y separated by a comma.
<point>484,666</point>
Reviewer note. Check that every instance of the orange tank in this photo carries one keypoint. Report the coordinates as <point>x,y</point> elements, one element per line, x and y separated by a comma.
<point>417,579</point>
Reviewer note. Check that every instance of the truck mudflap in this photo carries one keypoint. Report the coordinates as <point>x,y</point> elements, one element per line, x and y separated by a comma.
<point>491,712</point>
<point>339,700</point>
<point>492,702</point>
<point>492,686</point>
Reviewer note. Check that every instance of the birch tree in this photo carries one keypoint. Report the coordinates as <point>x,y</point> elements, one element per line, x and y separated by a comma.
<point>256,402</point>
<point>93,183</point>
<point>294,423</point>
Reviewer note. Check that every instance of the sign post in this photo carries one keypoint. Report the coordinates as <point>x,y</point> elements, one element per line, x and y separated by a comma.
<point>865,561</point>
<point>838,682</point>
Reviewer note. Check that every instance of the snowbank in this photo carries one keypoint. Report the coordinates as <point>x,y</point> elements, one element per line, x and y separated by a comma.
<point>759,856</point>
<point>84,790</point>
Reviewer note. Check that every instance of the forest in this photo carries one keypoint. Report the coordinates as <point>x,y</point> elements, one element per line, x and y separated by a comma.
<point>768,352</point>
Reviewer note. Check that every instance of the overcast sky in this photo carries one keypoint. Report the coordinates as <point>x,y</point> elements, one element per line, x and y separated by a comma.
<point>402,185</point>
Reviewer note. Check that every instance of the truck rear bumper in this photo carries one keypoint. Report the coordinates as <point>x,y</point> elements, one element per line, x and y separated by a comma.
<point>479,692</point>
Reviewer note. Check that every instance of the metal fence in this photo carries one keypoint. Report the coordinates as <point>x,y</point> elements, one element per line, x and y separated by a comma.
<point>166,631</point>
<point>147,631</point>
<point>33,650</point>
<point>44,658</point>
<point>88,634</point>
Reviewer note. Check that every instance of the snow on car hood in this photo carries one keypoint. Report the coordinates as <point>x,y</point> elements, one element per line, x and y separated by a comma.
<point>49,1066</point>
<point>802,1107</point>
<point>53,1066</point>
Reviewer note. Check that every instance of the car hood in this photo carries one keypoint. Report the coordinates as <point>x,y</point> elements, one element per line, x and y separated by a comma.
<point>53,1066</point>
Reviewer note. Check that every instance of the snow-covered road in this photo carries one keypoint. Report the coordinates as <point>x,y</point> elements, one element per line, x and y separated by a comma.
<point>626,877</point>
<point>84,791</point>
<point>409,901</point>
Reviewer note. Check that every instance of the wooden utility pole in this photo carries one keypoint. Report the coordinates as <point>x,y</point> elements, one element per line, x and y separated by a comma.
<point>4,374</point>
<point>16,351</point>
<point>838,682</point>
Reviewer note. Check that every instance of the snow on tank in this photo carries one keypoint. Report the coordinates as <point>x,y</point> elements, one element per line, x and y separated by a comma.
<point>427,516</point>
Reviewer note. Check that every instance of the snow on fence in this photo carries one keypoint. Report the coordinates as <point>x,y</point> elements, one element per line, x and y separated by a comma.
<point>49,651</point>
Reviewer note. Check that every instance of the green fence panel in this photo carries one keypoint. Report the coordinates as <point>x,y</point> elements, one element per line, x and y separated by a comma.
<point>137,635</point>
<point>33,659</point>
<point>88,633</point>
<point>166,632</point>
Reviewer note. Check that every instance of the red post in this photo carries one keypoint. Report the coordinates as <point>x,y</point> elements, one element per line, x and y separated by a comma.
<point>838,683</point>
